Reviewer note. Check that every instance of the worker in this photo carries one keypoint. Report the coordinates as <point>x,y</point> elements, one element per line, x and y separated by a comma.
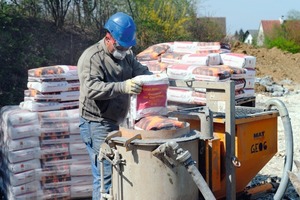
<point>105,72</point>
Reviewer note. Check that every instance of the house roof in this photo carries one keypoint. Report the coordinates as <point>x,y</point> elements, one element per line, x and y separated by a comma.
<point>269,25</point>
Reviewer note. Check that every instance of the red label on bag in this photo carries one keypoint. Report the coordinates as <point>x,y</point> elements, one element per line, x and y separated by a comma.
<point>152,96</point>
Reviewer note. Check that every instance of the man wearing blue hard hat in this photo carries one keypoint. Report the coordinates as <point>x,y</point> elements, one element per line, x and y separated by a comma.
<point>105,73</point>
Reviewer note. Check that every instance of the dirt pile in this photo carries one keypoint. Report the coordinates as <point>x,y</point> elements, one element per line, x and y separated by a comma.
<point>273,62</point>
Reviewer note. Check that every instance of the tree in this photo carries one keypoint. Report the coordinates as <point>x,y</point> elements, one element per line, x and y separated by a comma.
<point>161,21</point>
<point>207,29</point>
<point>241,36</point>
<point>30,8</point>
<point>58,10</point>
<point>293,15</point>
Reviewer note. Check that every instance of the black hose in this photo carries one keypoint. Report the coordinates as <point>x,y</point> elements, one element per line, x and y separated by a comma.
<point>289,144</point>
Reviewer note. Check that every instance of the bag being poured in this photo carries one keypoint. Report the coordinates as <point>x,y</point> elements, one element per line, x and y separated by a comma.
<point>153,98</point>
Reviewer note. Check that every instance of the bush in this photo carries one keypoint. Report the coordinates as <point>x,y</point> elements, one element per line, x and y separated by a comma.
<point>283,44</point>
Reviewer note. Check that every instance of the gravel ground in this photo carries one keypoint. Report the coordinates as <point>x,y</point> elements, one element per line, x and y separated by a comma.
<point>274,168</point>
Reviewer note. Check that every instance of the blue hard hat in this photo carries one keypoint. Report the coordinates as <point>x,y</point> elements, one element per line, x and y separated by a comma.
<point>122,28</point>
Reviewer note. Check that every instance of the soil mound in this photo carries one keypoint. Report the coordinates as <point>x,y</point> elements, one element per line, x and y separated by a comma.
<point>275,63</point>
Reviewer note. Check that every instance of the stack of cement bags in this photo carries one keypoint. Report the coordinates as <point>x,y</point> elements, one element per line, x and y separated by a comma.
<point>43,156</point>
<point>247,63</point>
<point>52,88</point>
<point>199,61</point>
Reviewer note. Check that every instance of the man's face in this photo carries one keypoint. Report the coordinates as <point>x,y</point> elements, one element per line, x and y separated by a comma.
<point>115,49</point>
<point>113,45</point>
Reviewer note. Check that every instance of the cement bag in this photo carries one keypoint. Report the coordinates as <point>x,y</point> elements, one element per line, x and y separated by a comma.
<point>249,92</point>
<point>155,123</point>
<point>21,191</point>
<point>53,86</point>
<point>153,52</point>
<point>56,72</point>
<point>23,166</point>
<point>250,73</point>
<point>197,47</point>
<point>153,98</point>
<point>250,83</point>
<point>198,72</point>
<point>48,106</point>
<point>14,116</point>
<point>22,143</point>
<point>186,96</point>
<point>244,93</point>
<point>238,60</point>
<point>81,191</point>
<point>239,84</point>
<point>59,116</point>
<point>22,131</point>
<point>35,95</point>
<point>236,72</point>
<point>192,58</point>
<point>155,66</point>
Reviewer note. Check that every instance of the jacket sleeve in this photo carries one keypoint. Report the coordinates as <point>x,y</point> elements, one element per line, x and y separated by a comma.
<point>92,80</point>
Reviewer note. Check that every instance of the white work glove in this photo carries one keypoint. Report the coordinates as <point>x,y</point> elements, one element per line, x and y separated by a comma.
<point>132,87</point>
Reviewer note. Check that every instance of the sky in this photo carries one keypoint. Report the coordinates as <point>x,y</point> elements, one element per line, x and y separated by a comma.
<point>246,15</point>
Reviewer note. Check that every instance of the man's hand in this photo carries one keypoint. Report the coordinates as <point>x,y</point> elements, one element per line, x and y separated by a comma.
<point>132,87</point>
